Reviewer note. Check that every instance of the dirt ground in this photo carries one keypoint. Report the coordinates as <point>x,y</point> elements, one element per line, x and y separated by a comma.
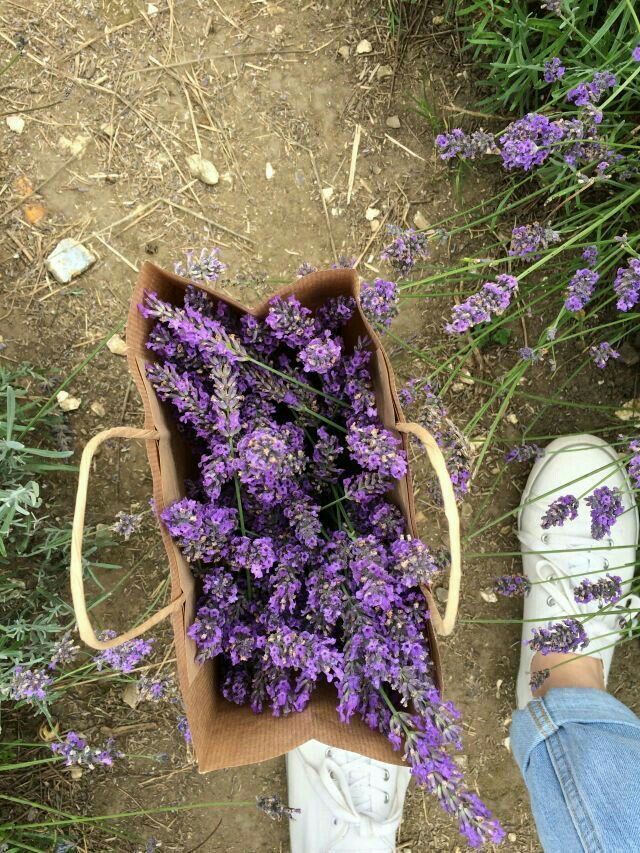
<point>115,96</point>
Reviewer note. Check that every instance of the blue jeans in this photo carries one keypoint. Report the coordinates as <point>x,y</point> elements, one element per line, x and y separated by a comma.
<point>579,753</point>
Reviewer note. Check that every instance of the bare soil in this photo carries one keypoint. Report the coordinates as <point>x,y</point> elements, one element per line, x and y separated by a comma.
<point>116,95</point>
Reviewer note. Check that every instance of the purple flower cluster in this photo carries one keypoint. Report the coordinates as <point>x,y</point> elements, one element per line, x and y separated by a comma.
<point>125,657</point>
<point>588,93</point>
<point>407,248</point>
<point>305,571</point>
<point>606,506</point>
<point>527,241</point>
<point>491,301</point>
<point>76,752</point>
<point>604,590</point>
<point>466,146</point>
<point>627,285</point>
<point>561,637</point>
<point>512,585</point>
<point>126,524</point>
<point>601,353</point>
<point>64,651</point>
<point>528,141</point>
<point>635,53</point>
<point>379,301</point>
<point>634,463</point>
<point>580,289</point>
<point>205,267</point>
<point>560,510</point>
<point>29,685</point>
<point>523,453</point>
<point>553,70</point>
<point>425,406</point>
<point>590,256</point>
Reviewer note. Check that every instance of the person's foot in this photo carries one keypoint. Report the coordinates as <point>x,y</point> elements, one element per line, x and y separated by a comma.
<point>349,803</point>
<point>565,555</point>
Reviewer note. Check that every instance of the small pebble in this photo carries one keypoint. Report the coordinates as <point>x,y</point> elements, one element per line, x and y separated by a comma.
<point>203,170</point>
<point>488,595</point>
<point>393,121</point>
<point>344,51</point>
<point>68,260</point>
<point>442,594</point>
<point>15,123</point>
<point>116,345</point>
<point>364,47</point>
<point>269,172</point>
<point>98,409</point>
<point>371,213</point>
<point>384,71</point>
<point>66,402</point>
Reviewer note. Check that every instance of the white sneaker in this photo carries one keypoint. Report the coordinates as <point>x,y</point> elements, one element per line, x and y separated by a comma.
<point>576,465</point>
<point>349,803</point>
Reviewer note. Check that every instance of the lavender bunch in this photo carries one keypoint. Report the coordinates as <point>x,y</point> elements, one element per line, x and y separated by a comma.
<point>299,555</point>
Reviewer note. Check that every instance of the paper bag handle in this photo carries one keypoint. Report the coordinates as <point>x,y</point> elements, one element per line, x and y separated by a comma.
<point>76,574</point>
<point>444,626</point>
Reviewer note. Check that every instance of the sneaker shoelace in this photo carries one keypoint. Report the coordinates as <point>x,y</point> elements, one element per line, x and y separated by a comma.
<point>349,788</point>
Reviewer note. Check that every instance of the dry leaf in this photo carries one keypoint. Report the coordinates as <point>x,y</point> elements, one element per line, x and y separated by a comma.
<point>22,186</point>
<point>34,212</point>
<point>46,734</point>
<point>130,695</point>
<point>68,403</point>
<point>98,409</point>
<point>630,411</point>
<point>116,345</point>
<point>419,221</point>
<point>344,51</point>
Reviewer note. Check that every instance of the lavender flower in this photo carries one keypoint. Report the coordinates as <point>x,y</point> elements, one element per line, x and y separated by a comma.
<point>580,289</point>
<point>590,93</point>
<point>465,146</point>
<point>290,322</point>
<point>553,70</point>
<point>606,506</point>
<point>76,752</point>
<point>512,585</point>
<point>554,6</point>
<point>126,524</point>
<point>204,267</point>
<point>605,590</point>
<point>560,510</point>
<point>125,657</point>
<point>528,141</point>
<point>529,240</point>
<point>379,300</point>
<point>305,268</point>
<point>601,353</point>
<point>320,354</point>
<point>627,285</point>
<point>183,727</point>
<point>523,453</point>
<point>590,255</point>
<point>407,248</point>
<point>538,678</point>
<point>377,449</point>
<point>528,354</point>
<point>491,301</point>
<point>635,53</point>
<point>64,651</point>
<point>29,685</point>
<point>561,637</point>
<point>274,808</point>
<point>153,689</point>
<point>413,560</point>
<point>634,463</point>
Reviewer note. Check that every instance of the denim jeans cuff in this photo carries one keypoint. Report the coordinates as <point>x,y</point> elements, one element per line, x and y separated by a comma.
<point>542,717</point>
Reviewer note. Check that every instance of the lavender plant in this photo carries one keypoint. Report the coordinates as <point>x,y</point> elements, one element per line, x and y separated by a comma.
<point>299,554</point>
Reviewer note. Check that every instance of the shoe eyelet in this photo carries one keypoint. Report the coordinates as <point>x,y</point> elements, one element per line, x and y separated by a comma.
<point>386,797</point>
<point>610,543</point>
<point>545,538</point>
<point>387,775</point>
<point>606,564</point>
<point>335,821</point>
<point>328,753</point>
<point>332,775</point>
<point>550,579</point>
<point>551,602</point>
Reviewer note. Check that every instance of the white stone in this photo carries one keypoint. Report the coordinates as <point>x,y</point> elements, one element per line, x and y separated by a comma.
<point>152,10</point>
<point>371,213</point>
<point>98,409</point>
<point>269,172</point>
<point>488,595</point>
<point>68,260</point>
<point>116,345</point>
<point>344,51</point>
<point>66,402</point>
<point>384,71</point>
<point>203,170</point>
<point>393,121</point>
<point>364,47</point>
<point>420,221</point>
<point>375,225</point>
<point>15,123</point>
<point>327,193</point>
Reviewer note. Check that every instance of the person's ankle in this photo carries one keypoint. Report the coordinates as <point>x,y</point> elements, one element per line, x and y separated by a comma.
<point>567,670</point>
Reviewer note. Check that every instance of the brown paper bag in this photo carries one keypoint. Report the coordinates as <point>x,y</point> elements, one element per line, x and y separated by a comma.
<point>224,734</point>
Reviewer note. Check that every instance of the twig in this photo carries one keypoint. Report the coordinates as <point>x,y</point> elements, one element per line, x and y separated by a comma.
<point>324,205</point>
<point>454,109</point>
<point>116,252</point>
<point>354,160</point>
<point>404,148</point>
<point>209,221</point>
